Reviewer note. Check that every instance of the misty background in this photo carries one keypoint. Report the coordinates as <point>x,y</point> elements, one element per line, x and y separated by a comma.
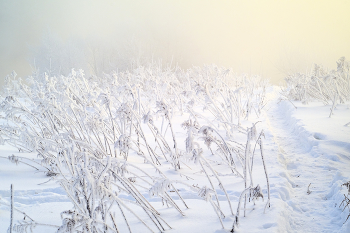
<point>269,38</point>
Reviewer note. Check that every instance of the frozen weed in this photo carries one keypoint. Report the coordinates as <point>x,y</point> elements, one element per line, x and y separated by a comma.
<point>88,132</point>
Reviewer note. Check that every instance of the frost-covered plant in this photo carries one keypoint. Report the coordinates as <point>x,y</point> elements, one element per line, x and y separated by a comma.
<point>330,87</point>
<point>206,194</point>
<point>223,146</point>
<point>250,191</point>
<point>253,194</point>
<point>88,132</point>
<point>346,201</point>
<point>229,103</point>
<point>197,157</point>
<point>192,128</point>
<point>163,108</point>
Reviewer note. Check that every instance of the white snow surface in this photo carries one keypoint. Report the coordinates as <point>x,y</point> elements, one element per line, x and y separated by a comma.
<point>307,158</point>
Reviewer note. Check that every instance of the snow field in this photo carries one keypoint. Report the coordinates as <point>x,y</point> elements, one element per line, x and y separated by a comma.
<point>314,150</point>
<point>306,156</point>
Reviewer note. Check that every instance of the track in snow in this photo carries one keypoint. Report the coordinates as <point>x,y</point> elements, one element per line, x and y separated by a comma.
<point>313,175</point>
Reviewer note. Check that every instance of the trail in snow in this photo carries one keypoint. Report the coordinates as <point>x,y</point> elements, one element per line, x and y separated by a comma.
<point>314,173</point>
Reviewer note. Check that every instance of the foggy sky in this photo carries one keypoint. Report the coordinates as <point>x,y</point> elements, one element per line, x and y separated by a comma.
<point>269,38</point>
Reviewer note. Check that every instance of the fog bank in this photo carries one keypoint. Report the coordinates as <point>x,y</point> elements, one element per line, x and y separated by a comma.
<point>269,38</point>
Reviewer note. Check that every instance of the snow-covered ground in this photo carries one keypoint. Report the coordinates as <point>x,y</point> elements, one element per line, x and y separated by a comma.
<point>314,152</point>
<point>307,156</point>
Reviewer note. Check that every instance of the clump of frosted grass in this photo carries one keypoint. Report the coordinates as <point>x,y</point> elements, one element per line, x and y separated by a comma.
<point>88,131</point>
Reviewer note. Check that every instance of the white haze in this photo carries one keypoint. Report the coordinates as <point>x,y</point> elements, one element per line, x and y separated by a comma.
<point>270,38</point>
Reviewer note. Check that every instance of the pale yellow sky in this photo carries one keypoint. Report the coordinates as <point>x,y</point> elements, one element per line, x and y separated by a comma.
<point>270,38</point>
